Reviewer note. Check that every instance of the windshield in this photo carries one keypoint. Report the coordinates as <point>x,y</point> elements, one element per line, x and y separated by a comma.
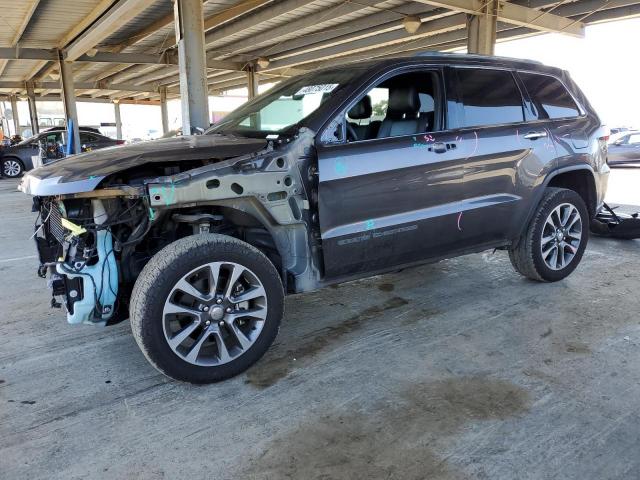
<point>286,105</point>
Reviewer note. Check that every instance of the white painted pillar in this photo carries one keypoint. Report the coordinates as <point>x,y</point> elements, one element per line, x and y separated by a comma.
<point>189,24</point>
<point>116,110</point>
<point>33,111</point>
<point>68,95</point>
<point>164,110</point>
<point>252,81</point>
<point>16,116</point>
<point>481,29</point>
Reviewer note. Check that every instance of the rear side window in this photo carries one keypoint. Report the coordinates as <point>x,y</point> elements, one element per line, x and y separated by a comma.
<point>550,96</point>
<point>489,97</point>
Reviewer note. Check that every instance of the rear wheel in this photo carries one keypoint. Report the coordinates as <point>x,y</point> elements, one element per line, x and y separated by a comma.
<point>12,167</point>
<point>556,238</point>
<point>206,307</point>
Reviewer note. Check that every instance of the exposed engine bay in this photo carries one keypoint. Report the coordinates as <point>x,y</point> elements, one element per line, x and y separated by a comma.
<point>93,243</point>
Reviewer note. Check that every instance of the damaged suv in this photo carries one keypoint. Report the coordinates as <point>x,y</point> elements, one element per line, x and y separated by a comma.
<point>331,176</point>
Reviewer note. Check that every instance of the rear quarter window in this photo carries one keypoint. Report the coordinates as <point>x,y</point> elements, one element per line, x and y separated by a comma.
<point>549,95</point>
<point>489,97</point>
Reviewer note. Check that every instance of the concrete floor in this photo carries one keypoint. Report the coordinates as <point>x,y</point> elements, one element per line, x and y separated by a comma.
<point>456,370</point>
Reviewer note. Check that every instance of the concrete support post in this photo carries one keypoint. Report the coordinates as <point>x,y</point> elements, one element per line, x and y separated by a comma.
<point>116,110</point>
<point>252,81</point>
<point>16,116</point>
<point>68,95</point>
<point>33,111</point>
<point>163,110</point>
<point>481,29</point>
<point>189,24</point>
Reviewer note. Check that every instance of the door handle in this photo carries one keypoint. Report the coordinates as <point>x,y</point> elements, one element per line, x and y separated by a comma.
<point>439,147</point>
<point>535,135</point>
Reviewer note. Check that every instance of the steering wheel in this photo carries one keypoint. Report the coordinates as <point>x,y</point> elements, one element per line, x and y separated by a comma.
<point>352,136</point>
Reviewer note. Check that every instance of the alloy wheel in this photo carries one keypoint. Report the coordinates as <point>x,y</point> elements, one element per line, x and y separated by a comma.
<point>11,168</point>
<point>214,313</point>
<point>561,236</point>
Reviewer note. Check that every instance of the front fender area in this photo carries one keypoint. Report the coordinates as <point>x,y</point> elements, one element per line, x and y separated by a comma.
<point>269,187</point>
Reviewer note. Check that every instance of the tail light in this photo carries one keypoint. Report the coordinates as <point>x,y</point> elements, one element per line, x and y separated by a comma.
<point>119,142</point>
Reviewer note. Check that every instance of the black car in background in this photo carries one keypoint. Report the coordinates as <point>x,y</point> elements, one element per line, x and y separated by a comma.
<point>625,150</point>
<point>49,145</point>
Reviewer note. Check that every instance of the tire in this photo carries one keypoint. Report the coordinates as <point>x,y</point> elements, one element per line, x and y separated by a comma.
<point>172,301</point>
<point>12,167</point>
<point>528,256</point>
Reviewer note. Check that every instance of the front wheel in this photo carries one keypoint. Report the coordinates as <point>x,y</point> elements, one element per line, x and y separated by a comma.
<point>556,238</point>
<point>206,308</point>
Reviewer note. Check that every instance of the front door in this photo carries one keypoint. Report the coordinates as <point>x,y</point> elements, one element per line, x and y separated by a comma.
<point>390,194</point>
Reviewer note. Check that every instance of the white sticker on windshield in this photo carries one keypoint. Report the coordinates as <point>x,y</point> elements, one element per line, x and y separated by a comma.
<point>324,88</point>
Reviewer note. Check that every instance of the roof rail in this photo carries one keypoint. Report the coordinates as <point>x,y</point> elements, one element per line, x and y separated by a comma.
<point>435,53</point>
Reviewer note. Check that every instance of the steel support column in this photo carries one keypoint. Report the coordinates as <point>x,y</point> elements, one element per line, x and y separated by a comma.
<point>116,110</point>
<point>163,109</point>
<point>69,101</point>
<point>15,115</point>
<point>481,29</point>
<point>194,96</point>
<point>252,81</point>
<point>33,111</point>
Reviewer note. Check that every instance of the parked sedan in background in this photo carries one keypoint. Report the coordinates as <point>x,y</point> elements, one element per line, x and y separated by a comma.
<point>625,150</point>
<point>49,145</point>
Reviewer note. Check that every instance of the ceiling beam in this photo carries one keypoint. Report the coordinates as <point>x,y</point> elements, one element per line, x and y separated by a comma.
<point>81,86</point>
<point>278,35</point>
<point>280,8</point>
<point>108,57</point>
<point>516,15</point>
<point>107,24</point>
<point>31,7</point>
<point>399,35</point>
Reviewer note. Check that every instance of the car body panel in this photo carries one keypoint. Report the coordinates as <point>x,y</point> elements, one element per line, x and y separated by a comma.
<point>84,172</point>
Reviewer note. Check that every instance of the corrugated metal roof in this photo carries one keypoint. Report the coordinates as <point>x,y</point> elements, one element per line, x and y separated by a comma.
<point>334,22</point>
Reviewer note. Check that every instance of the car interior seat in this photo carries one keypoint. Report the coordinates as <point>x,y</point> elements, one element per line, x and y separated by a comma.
<point>403,117</point>
<point>361,111</point>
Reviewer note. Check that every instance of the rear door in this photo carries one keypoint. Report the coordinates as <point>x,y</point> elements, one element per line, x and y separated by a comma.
<point>504,153</point>
<point>391,199</point>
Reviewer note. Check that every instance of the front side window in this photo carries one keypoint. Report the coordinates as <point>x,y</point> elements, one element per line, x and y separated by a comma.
<point>550,96</point>
<point>489,97</point>
<point>404,104</point>
<point>287,104</point>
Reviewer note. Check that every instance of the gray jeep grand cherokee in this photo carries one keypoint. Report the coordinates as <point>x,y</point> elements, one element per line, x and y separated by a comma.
<point>331,176</point>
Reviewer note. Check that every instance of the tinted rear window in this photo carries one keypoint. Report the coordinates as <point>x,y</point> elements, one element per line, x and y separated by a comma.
<point>489,97</point>
<point>549,96</point>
